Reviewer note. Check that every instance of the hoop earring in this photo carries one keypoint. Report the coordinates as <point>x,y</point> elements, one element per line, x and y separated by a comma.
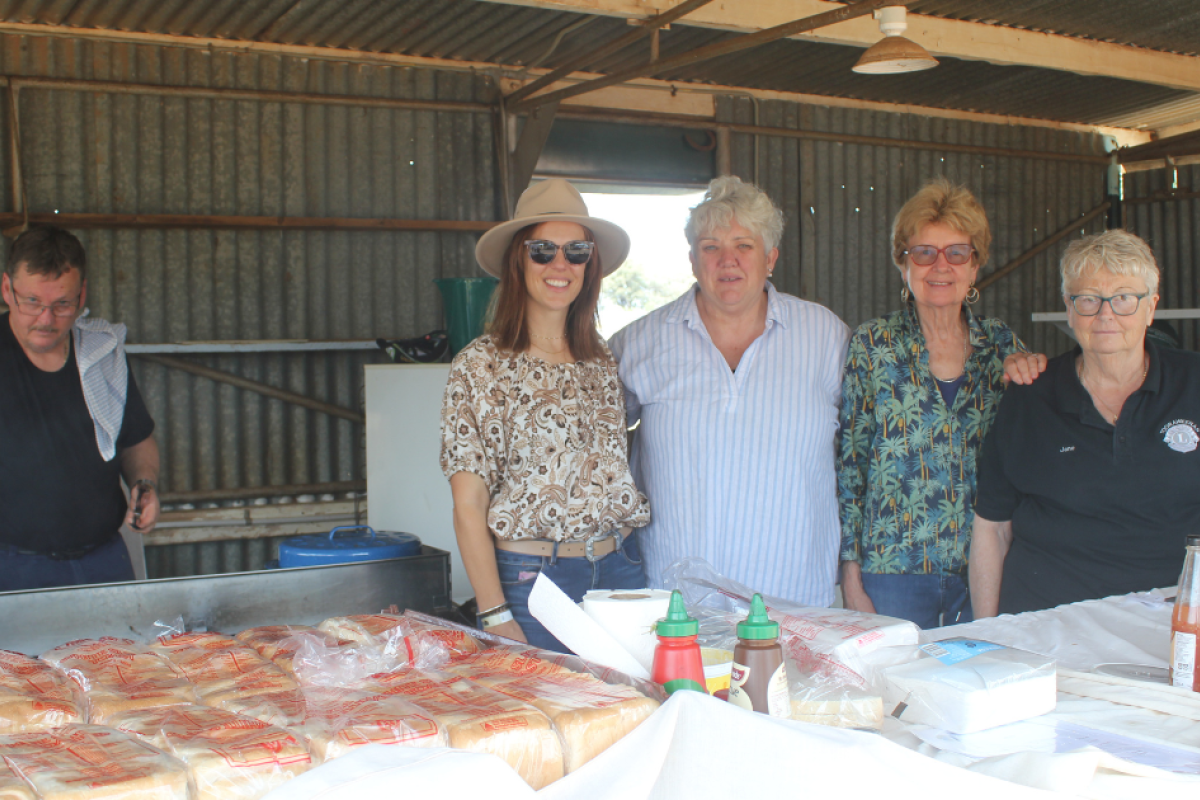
<point>904,294</point>
<point>972,296</point>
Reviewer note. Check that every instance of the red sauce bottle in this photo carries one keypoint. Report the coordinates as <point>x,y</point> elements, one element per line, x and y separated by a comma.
<point>677,662</point>
<point>1185,621</point>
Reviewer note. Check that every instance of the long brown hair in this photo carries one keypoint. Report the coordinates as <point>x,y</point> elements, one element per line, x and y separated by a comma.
<point>508,326</point>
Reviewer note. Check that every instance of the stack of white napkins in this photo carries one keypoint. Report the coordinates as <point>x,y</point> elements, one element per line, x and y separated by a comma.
<point>965,685</point>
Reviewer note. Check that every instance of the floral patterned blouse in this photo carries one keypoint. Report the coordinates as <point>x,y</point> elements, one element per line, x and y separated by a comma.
<point>906,461</point>
<point>549,441</point>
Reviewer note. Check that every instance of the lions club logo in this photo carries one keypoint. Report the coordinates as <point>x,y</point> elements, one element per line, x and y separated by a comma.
<point>1182,435</point>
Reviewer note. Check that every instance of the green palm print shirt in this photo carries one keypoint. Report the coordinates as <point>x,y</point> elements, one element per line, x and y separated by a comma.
<point>906,461</point>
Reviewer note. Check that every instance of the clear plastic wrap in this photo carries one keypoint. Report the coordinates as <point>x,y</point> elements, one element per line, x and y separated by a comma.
<point>834,656</point>
<point>221,667</point>
<point>91,762</point>
<point>229,756</point>
<point>279,643</point>
<point>482,721</point>
<point>119,675</point>
<point>35,696</point>
<point>966,685</point>
<point>333,721</point>
<point>347,650</point>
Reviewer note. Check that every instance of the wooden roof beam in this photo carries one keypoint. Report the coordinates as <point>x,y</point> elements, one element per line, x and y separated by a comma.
<point>642,30</point>
<point>838,14</point>
<point>971,41</point>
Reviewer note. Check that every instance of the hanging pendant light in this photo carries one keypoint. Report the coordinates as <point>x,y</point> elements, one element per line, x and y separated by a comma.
<point>893,53</point>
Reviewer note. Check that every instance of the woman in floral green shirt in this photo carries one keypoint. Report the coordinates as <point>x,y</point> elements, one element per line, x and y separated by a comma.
<point>919,393</point>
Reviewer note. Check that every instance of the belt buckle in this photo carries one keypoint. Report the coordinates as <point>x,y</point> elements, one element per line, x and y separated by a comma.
<point>589,546</point>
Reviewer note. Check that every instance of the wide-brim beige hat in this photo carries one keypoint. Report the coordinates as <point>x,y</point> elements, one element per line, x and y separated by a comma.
<point>552,200</point>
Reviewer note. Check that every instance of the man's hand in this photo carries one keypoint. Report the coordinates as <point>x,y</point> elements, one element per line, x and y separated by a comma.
<point>143,507</point>
<point>1023,368</point>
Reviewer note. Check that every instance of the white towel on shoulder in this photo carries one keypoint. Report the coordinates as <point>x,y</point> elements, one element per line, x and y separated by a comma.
<point>104,374</point>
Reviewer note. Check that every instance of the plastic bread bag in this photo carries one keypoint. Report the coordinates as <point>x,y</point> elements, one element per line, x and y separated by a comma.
<point>92,762</point>
<point>966,685</point>
<point>588,713</point>
<point>120,675</point>
<point>333,721</point>
<point>218,665</point>
<point>389,642</point>
<point>824,700</point>
<point>482,721</point>
<point>831,641</point>
<point>505,655</point>
<point>228,756</point>
<point>13,786</point>
<point>36,696</point>
<point>279,643</point>
<point>320,659</point>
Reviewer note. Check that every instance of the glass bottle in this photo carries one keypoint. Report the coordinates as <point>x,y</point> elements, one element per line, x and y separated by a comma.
<point>1185,621</point>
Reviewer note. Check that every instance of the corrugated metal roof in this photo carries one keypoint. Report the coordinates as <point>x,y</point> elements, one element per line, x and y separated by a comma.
<point>1168,25</point>
<point>520,36</point>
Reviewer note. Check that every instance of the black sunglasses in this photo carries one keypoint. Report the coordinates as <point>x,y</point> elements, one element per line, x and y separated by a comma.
<point>543,252</point>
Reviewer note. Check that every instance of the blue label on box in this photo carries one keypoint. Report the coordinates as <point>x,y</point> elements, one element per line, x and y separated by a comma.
<point>956,650</point>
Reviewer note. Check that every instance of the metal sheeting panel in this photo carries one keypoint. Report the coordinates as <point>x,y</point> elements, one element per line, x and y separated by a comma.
<point>839,201</point>
<point>1162,25</point>
<point>525,36</point>
<point>109,152</point>
<point>1172,229</point>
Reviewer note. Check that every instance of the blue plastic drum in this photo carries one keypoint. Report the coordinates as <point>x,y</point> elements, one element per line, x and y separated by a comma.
<point>355,543</point>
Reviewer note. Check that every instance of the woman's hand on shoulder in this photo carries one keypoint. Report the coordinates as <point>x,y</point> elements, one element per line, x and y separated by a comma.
<point>1023,368</point>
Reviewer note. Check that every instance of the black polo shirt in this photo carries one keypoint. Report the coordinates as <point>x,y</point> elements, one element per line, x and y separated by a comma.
<point>1095,510</point>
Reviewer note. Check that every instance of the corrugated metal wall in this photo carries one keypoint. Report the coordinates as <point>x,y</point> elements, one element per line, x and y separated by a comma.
<point>100,152</point>
<point>839,201</point>
<point>1172,228</point>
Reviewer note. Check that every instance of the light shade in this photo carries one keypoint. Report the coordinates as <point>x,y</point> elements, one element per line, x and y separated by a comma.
<point>894,54</point>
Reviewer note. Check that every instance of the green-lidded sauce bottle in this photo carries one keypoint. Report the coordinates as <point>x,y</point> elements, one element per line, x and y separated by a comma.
<point>677,663</point>
<point>758,681</point>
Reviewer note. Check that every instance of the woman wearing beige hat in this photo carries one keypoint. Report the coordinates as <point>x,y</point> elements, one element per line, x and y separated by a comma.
<point>533,421</point>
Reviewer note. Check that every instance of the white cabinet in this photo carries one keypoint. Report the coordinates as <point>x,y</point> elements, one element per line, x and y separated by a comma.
<point>405,486</point>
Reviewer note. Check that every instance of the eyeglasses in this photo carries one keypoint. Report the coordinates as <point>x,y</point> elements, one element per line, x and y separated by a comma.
<point>1088,305</point>
<point>62,308</point>
<point>543,252</point>
<point>924,255</point>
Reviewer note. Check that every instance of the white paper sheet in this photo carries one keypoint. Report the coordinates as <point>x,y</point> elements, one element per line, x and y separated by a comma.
<point>1048,735</point>
<point>551,607</point>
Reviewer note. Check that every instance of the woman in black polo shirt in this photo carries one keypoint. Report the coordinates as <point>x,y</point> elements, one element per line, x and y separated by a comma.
<point>1087,479</point>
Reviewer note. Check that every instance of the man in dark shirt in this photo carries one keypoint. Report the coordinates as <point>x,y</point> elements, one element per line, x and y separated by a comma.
<point>72,426</point>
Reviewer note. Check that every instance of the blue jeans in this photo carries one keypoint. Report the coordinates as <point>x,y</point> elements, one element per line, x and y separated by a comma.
<point>931,601</point>
<point>620,569</point>
<point>108,563</point>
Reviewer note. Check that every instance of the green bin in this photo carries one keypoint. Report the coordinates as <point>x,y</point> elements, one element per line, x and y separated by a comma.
<point>466,303</point>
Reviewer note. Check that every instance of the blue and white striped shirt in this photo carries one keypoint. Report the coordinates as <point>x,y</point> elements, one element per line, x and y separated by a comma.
<point>739,465</point>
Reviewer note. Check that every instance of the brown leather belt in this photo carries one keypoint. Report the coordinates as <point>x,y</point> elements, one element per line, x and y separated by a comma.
<point>592,549</point>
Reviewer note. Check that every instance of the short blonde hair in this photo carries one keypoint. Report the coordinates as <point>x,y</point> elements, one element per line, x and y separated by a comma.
<point>942,202</point>
<point>1116,251</point>
<point>727,199</point>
